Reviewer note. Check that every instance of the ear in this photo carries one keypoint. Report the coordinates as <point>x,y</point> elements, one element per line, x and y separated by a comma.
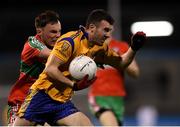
<point>92,27</point>
<point>38,30</point>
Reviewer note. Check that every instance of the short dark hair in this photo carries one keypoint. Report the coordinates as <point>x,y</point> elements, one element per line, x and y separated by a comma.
<point>46,17</point>
<point>97,15</point>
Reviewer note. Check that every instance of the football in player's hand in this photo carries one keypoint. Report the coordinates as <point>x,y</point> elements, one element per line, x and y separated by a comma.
<point>82,66</point>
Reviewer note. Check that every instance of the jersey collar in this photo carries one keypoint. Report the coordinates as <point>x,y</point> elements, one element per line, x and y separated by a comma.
<point>85,34</point>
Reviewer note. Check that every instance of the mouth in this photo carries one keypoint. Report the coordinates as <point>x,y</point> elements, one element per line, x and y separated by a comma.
<point>100,42</point>
<point>103,40</point>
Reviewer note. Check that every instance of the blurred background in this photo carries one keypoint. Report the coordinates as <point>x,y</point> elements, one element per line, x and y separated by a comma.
<point>154,97</point>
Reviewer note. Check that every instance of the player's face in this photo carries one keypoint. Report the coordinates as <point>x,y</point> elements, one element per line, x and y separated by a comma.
<point>102,32</point>
<point>50,33</point>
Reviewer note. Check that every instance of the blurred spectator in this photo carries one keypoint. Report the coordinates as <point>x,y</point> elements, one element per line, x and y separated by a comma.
<point>147,115</point>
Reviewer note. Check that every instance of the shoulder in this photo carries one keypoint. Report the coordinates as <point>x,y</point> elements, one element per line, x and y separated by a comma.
<point>35,43</point>
<point>69,39</point>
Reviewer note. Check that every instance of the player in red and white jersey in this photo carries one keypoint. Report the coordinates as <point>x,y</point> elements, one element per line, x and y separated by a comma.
<point>108,91</point>
<point>33,58</point>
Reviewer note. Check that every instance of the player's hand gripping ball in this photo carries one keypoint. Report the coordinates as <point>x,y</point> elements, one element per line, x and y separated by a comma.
<point>81,66</point>
<point>138,40</point>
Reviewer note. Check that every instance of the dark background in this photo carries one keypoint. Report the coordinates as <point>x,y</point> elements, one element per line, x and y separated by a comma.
<point>17,18</point>
<point>159,60</point>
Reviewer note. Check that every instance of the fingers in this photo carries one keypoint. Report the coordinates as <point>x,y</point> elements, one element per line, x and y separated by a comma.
<point>93,80</point>
<point>138,40</point>
<point>141,33</point>
<point>86,76</point>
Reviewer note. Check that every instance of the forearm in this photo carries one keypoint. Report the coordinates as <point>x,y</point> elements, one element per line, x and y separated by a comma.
<point>44,53</point>
<point>133,69</point>
<point>127,58</point>
<point>137,41</point>
<point>55,74</point>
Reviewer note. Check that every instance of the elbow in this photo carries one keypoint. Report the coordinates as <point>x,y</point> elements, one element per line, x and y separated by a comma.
<point>134,73</point>
<point>48,71</point>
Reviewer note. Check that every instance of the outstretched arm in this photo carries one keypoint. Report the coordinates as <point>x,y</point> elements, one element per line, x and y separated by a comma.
<point>137,41</point>
<point>122,62</point>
